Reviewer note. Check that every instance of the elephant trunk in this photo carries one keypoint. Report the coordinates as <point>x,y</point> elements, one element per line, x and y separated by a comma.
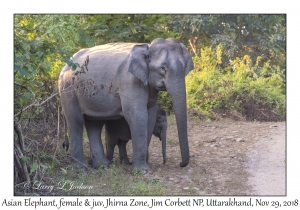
<point>176,89</point>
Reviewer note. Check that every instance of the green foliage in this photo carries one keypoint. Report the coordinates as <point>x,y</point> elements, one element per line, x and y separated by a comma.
<point>39,48</point>
<point>254,35</point>
<point>237,87</point>
<point>125,28</point>
<point>37,39</point>
<point>165,102</point>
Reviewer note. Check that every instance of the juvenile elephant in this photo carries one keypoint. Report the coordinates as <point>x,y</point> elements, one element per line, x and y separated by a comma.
<point>123,80</point>
<point>117,132</point>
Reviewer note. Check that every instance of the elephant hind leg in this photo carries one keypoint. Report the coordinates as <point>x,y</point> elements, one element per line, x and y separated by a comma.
<point>94,129</point>
<point>123,152</point>
<point>75,124</point>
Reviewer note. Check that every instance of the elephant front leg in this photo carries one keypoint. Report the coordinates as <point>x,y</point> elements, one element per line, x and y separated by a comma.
<point>138,127</point>
<point>93,129</point>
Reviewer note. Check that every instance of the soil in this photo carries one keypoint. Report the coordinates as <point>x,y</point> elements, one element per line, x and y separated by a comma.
<point>227,158</point>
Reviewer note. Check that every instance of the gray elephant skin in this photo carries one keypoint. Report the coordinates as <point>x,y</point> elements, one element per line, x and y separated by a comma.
<point>123,80</point>
<point>117,132</point>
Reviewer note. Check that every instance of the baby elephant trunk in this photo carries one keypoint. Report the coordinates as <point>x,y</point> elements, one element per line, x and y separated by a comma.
<point>160,130</point>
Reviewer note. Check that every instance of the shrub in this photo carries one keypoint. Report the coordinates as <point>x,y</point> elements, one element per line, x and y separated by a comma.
<point>165,102</point>
<point>257,93</point>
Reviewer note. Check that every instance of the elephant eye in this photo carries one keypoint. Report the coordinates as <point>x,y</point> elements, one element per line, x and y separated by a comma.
<point>163,70</point>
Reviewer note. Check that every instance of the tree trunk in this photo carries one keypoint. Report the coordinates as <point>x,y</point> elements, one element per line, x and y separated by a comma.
<point>193,44</point>
<point>20,167</point>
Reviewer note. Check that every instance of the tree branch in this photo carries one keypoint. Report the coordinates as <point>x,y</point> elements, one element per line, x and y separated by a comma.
<point>25,88</point>
<point>36,104</point>
<point>193,45</point>
<point>194,50</point>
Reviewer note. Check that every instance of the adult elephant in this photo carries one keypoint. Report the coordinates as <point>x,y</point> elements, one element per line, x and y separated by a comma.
<point>123,79</point>
<point>117,132</point>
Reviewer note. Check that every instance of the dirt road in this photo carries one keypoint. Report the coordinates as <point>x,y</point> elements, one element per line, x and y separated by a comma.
<point>267,163</point>
<point>227,158</point>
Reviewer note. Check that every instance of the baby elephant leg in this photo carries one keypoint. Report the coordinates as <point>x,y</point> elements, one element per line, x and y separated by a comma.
<point>123,152</point>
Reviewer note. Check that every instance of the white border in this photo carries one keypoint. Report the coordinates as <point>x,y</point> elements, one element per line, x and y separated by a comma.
<point>8,8</point>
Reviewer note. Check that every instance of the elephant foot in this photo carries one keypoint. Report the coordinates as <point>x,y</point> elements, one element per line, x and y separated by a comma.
<point>150,165</point>
<point>109,158</point>
<point>81,164</point>
<point>125,161</point>
<point>96,163</point>
<point>143,168</point>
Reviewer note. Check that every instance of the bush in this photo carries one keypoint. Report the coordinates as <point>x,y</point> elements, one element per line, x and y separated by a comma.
<point>257,93</point>
<point>165,102</point>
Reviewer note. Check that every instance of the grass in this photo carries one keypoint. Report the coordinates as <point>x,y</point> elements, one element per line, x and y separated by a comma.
<point>172,141</point>
<point>116,180</point>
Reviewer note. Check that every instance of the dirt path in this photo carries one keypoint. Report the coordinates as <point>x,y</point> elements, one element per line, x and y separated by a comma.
<point>227,158</point>
<point>267,163</point>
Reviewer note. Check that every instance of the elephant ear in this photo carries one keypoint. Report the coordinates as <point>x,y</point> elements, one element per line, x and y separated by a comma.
<point>189,62</point>
<point>138,65</point>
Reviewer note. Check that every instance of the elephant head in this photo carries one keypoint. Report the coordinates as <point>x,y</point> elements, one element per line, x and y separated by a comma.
<point>163,66</point>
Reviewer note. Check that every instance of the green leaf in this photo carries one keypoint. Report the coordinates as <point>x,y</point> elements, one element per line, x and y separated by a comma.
<point>27,96</point>
<point>24,71</point>
<point>27,56</point>
<point>90,43</point>
<point>43,166</point>
<point>64,170</point>
<point>17,67</point>
<point>45,66</point>
<point>69,62</point>
<point>33,168</point>
<point>40,54</point>
<point>74,66</point>
<point>24,159</point>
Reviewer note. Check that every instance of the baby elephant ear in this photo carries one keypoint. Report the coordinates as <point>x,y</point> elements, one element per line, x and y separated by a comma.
<point>138,62</point>
<point>188,59</point>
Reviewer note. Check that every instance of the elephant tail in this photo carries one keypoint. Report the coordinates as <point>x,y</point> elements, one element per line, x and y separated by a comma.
<point>66,142</point>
